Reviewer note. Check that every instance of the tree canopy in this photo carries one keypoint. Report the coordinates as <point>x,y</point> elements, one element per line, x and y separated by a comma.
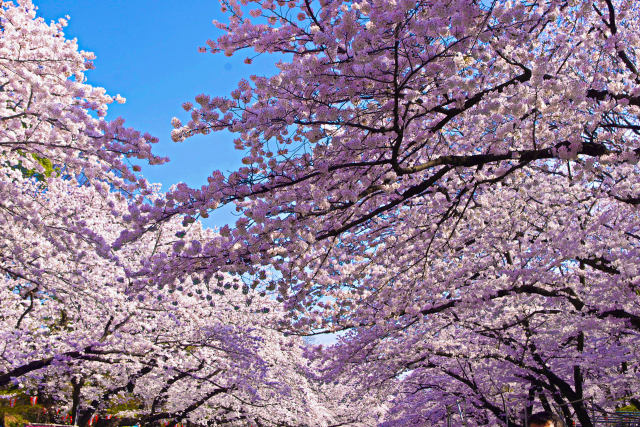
<point>450,185</point>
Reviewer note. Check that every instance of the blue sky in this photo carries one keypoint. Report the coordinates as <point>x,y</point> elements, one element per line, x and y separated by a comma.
<point>147,51</point>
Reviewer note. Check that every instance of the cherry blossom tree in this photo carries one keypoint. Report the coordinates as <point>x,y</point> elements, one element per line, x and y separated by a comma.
<point>452,184</point>
<point>49,112</point>
<point>53,128</point>
<point>83,321</point>
<point>54,138</point>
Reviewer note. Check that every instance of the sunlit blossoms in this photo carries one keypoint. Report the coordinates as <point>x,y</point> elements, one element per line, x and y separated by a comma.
<point>451,186</point>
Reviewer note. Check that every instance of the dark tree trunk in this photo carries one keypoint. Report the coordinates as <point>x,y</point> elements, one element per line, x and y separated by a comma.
<point>76,385</point>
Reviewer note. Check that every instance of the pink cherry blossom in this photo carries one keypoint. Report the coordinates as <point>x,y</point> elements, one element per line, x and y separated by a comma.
<point>452,185</point>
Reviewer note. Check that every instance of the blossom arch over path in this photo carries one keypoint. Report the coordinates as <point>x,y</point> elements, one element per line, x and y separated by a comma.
<point>454,182</point>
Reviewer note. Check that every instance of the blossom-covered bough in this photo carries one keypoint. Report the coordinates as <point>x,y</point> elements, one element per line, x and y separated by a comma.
<point>452,183</point>
<point>83,322</point>
<point>49,112</point>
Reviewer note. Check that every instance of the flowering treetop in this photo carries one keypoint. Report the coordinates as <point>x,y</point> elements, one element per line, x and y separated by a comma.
<point>50,116</point>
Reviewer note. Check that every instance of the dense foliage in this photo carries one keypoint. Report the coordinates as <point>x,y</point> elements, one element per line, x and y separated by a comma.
<point>453,184</point>
<point>450,185</point>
